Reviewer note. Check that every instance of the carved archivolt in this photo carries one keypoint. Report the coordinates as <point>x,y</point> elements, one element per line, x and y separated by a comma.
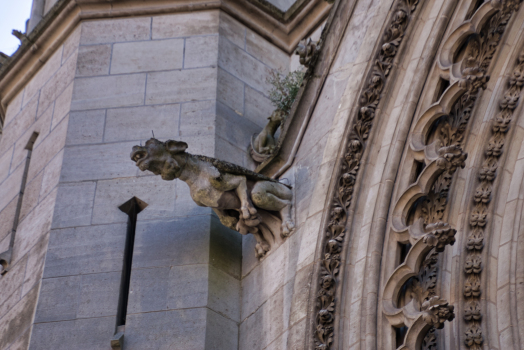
<point>356,146</point>
<point>409,300</point>
<point>478,216</point>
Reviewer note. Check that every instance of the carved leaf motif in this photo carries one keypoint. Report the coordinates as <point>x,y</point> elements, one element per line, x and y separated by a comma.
<point>473,264</point>
<point>430,340</point>
<point>472,311</point>
<point>473,337</point>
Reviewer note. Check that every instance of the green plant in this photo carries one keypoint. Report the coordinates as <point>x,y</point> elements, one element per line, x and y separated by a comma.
<point>285,89</point>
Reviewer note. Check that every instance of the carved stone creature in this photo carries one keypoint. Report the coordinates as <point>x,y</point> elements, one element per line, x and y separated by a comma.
<point>264,143</point>
<point>451,157</point>
<point>305,50</point>
<point>439,235</point>
<point>243,200</point>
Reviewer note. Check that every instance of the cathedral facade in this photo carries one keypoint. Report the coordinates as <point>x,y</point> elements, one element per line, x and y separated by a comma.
<point>333,175</point>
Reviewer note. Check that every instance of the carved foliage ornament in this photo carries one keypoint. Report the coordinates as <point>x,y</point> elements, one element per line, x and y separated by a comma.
<point>478,218</point>
<point>359,134</point>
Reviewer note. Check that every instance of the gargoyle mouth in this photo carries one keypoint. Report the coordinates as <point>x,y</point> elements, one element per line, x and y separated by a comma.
<point>139,155</point>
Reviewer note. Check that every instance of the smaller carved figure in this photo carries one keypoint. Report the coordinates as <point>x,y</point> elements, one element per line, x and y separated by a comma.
<point>264,143</point>
<point>305,50</point>
<point>242,199</point>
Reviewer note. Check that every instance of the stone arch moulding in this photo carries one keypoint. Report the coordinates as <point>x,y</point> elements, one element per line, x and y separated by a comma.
<point>323,313</point>
<point>437,139</point>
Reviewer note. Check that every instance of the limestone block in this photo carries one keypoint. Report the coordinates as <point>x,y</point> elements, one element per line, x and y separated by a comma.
<point>93,60</point>
<point>99,294</point>
<point>7,216</point>
<point>255,332</point>
<point>86,127</point>
<point>31,195</point>
<point>115,30</point>
<point>308,243</point>
<point>42,127</point>
<point>234,127</point>
<point>58,300</point>
<point>51,66</point>
<point>18,319</point>
<point>71,43</point>
<point>124,124</point>
<point>182,241</point>
<point>201,51</point>
<point>198,119</point>
<point>171,330</point>
<point>147,56</point>
<point>22,343</point>
<point>84,250</point>
<point>300,298</point>
<point>221,332</point>
<point>35,264</point>
<point>13,107</point>
<point>71,297</point>
<point>107,92</point>
<point>262,282</point>
<point>47,149</point>
<point>181,85</point>
<point>352,40</point>
<point>11,187</point>
<point>230,91</point>
<point>91,333</point>
<point>257,107</point>
<point>51,175</point>
<point>110,194</point>
<point>243,66</point>
<point>62,105</point>
<point>225,248</point>
<point>57,84</point>
<point>185,24</point>
<point>74,204</point>
<point>5,163</point>
<point>168,288</point>
<point>266,52</point>
<point>229,152</point>
<point>94,162</point>
<point>10,284</point>
<point>224,294</point>
<point>232,30</point>
<point>34,226</point>
<point>12,131</point>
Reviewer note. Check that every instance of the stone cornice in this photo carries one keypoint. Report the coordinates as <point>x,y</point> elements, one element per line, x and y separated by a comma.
<point>59,22</point>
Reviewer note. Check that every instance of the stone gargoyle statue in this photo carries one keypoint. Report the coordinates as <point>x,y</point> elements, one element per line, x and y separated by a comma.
<point>263,144</point>
<point>244,201</point>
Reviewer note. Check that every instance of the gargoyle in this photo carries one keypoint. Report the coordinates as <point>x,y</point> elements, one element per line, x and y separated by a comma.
<point>244,201</point>
<point>264,143</point>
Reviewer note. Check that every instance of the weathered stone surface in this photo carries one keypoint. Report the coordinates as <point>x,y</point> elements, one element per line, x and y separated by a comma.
<point>45,73</point>
<point>94,162</point>
<point>74,204</point>
<point>95,334</point>
<point>158,243</point>
<point>5,163</point>
<point>230,91</point>
<point>147,56</point>
<point>266,52</point>
<point>168,288</point>
<point>31,195</point>
<point>171,330</point>
<point>125,124</point>
<point>86,127</point>
<point>110,91</point>
<point>198,119</point>
<point>93,60</point>
<point>115,30</point>
<point>181,86</point>
<point>35,264</point>
<point>232,30</point>
<point>7,216</point>
<point>18,319</point>
<point>243,66</point>
<point>221,332</point>
<point>201,51</point>
<point>110,194</point>
<point>225,248</point>
<point>85,250</point>
<point>223,294</point>
<point>185,24</point>
<point>257,107</point>
<point>62,105</point>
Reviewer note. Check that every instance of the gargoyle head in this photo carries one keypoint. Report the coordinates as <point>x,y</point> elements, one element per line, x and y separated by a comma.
<point>161,158</point>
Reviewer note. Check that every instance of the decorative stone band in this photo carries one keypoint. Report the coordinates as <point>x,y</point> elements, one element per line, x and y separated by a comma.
<point>359,133</point>
<point>472,312</point>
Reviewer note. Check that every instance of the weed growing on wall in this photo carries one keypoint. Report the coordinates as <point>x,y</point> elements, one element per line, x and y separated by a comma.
<point>285,89</point>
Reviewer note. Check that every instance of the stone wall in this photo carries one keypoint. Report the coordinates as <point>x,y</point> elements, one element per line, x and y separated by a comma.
<point>41,107</point>
<point>198,77</point>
